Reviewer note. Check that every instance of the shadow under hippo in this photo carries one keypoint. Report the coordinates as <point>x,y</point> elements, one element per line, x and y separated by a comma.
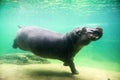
<point>49,44</point>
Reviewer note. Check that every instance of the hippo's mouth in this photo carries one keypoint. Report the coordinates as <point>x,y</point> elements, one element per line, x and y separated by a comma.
<point>96,34</point>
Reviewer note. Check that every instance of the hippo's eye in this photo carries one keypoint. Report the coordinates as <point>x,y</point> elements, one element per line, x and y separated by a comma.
<point>78,32</point>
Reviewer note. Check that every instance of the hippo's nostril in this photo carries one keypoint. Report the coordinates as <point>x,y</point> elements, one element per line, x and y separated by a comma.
<point>96,33</point>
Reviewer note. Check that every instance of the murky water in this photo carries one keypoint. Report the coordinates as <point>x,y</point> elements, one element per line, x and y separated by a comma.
<point>63,16</point>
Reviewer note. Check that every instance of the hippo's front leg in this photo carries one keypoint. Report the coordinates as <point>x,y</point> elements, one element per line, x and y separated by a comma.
<point>71,64</point>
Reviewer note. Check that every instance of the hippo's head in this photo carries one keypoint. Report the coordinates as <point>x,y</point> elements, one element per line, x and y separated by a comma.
<point>86,35</point>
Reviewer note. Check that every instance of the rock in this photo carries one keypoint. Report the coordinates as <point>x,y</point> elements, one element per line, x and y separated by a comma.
<point>21,58</point>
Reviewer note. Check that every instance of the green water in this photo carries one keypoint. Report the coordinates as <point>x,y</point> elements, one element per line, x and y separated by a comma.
<point>63,16</point>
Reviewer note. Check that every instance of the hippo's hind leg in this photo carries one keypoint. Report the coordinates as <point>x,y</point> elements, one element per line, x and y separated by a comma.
<point>14,44</point>
<point>65,64</point>
<point>71,64</point>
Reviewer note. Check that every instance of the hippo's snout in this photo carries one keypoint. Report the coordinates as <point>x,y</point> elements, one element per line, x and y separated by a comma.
<point>96,34</point>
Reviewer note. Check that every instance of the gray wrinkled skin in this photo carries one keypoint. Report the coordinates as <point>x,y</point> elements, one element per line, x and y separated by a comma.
<point>49,44</point>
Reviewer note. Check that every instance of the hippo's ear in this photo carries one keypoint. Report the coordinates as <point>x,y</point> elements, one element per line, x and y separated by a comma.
<point>84,29</point>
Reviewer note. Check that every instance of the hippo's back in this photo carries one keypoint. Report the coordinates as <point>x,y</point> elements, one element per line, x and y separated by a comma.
<point>38,40</point>
<point>37,32</point>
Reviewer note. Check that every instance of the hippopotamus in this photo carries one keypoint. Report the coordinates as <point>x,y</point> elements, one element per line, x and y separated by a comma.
<point>50,44</point>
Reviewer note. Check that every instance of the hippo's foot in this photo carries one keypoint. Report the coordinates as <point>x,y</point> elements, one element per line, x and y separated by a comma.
<point>75,72</point>
<point>70,63</point>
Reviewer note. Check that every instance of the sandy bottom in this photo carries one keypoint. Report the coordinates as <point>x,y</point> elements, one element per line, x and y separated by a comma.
<point>53,72</point>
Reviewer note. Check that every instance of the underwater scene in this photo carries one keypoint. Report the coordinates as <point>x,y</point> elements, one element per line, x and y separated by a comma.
<point>99,60</point>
